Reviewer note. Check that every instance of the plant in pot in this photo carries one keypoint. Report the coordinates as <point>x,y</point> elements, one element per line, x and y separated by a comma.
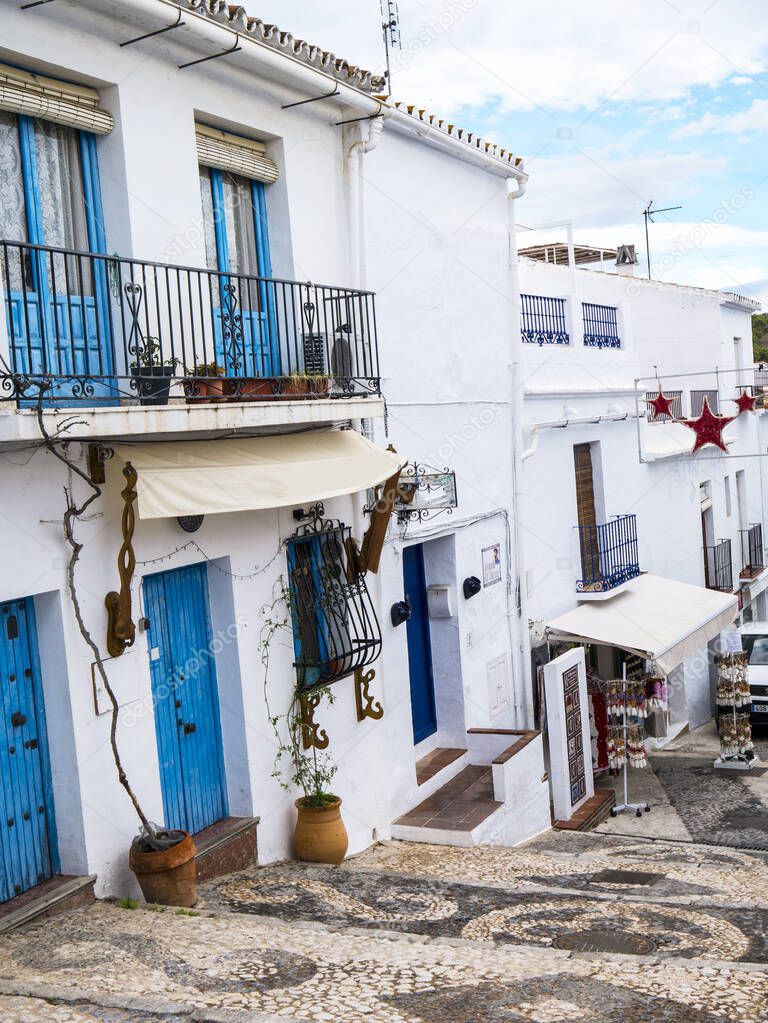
<point>319,835</point>
<point>152,374</point>
<point>206,382</point>
<point>306,385</point>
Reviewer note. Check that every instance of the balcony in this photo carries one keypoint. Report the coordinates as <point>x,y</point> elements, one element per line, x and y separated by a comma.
<point>87,330</point>
<point>718,566</point>
<point>609,555</point>
<point>543,321</point>
<point>752,551</point>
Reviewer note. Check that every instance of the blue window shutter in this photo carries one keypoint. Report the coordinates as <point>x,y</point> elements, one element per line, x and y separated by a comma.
<point>89,157</point>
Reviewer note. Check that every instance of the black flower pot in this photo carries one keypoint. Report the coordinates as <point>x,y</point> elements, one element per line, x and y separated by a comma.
<point>153,383</point>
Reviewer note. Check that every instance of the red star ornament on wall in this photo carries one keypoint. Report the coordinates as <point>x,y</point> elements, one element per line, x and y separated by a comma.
<point>708,428</point>
<point>745,402</point>
<point>662,405</point>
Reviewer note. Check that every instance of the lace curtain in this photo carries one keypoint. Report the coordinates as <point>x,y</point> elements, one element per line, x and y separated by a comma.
<point>13,220</point>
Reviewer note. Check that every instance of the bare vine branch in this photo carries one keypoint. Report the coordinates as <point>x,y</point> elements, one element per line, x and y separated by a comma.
<point>72,513</point>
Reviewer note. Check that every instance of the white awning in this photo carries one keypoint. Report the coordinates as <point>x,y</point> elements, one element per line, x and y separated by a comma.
<point>252,473</point>
<point>660,619</point>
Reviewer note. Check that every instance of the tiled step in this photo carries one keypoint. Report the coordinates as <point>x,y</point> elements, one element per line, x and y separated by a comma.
<point>226,846</point>
<point>453,812</point>
<point>592,812</point>
<point>436,761</point>
<point>57,895</point>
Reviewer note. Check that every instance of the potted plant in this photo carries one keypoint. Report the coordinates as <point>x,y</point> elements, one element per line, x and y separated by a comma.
<point>306,385</point>
<point>206,383</point>
<point>252,388</point>
<point>152,374</point>
<point>164,864</point>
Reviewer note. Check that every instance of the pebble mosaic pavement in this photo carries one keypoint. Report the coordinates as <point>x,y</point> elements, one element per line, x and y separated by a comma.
<point>394,937</point>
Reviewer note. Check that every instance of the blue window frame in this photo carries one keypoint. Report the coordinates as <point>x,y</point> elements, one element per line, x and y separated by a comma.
<point>245,321</point>
<point>57,303</point>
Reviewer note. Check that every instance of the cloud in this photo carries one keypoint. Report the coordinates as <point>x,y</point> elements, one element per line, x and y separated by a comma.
<point>737,122</point>
<point>555,55</point>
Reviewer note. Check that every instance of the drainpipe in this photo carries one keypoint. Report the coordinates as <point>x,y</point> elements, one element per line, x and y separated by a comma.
<point>562,424</point>
<point>518,615</point>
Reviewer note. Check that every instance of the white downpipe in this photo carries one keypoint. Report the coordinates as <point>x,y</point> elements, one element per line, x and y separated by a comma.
<point>518,623</point>
<point>562,424</point>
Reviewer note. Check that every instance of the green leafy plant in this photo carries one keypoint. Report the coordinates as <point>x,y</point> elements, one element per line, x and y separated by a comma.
<point>127,903</point>
<point>208,369</point>
<point>149,355</point>
<point>310,770</point>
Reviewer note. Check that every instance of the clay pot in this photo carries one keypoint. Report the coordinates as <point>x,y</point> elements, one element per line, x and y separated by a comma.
<point>320,835</point>
<point>168,877</point>
<point>206,390</point>
<point>252,388</point>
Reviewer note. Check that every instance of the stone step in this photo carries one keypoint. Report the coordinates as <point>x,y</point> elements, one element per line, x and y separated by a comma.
<point>226,846</point>
<point>454,812</point>
<point>592,812</point>
<point>59,894</point>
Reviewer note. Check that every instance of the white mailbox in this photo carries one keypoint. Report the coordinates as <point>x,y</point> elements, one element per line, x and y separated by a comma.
<point>440,601</point>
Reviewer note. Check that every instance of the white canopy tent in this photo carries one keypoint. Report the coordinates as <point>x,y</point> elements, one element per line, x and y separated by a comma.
<point>660,619</point>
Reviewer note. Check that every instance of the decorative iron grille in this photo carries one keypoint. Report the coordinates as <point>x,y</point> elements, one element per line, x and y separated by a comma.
<point>543,320</point>
<point>601,327</point>
<point>718,566</point>
<point>752,550</point>
<point>677,406</point>
<point>335,628</point>
<point>609,554</point>
<point>697,402</point>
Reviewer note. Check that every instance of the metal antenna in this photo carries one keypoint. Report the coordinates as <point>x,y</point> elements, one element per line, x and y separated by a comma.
<point>390,26</point>
<point>649,214</point>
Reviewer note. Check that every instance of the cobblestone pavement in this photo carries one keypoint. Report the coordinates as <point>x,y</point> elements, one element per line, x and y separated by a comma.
<point>227,966</point>
<point>417,934</point>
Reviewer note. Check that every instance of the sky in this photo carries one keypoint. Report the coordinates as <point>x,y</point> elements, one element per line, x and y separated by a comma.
<point>611,104</point>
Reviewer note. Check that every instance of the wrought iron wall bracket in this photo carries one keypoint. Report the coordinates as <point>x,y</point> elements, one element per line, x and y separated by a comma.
<point>312,99</point>
<point>121,630</point>
<point>213,56</point>
<point>157,32</point>
<point>312,735</point>
<point>367,706</point>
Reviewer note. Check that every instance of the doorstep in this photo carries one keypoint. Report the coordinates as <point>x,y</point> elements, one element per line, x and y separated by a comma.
<point>226,846</point>
<point>59,894</point>
<point>453,814</point>
<point>436,761</point>
<point>592,812</point>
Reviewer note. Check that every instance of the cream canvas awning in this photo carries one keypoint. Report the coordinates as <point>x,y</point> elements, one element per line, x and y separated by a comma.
<point>253,473</point>
<point>660,619</point>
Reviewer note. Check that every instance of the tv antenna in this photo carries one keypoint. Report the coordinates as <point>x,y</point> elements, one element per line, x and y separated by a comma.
<point>390,26</point>
<point>649,213</point>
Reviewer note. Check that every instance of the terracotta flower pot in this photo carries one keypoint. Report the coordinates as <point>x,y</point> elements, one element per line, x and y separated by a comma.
<point>167,877</point>
<point>305,387</point>
<point>203,389</point>
<point>252,388</point>
<point>320,835</point>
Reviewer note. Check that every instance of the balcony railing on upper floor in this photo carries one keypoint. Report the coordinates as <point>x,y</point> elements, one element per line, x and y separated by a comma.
<point>601,327</point>
<point>752,557</point>
<point>93,329</point>
<point>697,402</point>
<point>543,320</point>
<point>609,555</point>
<point>718,566</point>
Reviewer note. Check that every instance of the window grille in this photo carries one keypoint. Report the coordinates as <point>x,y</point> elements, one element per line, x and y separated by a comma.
<point>543,320</point>
<point>601,327</point>
<point>697,402</point>
<point>335,628</point>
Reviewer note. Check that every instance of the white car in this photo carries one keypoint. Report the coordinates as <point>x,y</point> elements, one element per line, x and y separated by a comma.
<point>754,639</point>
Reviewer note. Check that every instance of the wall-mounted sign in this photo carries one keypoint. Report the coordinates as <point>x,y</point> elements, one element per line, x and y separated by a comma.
<point>491,564</point>
<point>424,492</point>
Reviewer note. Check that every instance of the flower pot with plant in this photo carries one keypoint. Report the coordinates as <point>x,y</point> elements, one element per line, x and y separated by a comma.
<point>306,385</point>
<point>152,374</point>
<point>206,383</point>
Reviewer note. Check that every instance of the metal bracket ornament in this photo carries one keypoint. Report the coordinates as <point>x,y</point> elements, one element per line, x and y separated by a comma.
<point>121,630</point>
<point>416,480</point>
<point>367,706</point>
<point>312,735</point>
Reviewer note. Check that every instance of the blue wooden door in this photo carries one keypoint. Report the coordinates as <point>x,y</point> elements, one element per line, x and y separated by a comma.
<point>245,331</point>
<point>419,645</point>
<point>58,310</point>
<point>27,823</point>
<point>185,697</point>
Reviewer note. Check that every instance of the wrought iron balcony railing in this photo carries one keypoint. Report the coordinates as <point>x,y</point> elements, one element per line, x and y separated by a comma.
<point>543,320</point>
<point>718,566</point>
<point>752,557</point>
<point>85,328</point>
<point>601,326</point>
<point>609,555</point>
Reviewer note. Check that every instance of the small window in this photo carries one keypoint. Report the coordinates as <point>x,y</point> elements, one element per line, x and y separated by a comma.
<point>697,402</point>
<point>727,488</point>
<point>601,326</point>
<point>335,628</point>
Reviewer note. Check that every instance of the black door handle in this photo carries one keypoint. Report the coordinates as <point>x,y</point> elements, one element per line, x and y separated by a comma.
<point>18,719</point>
<point>190,727</point>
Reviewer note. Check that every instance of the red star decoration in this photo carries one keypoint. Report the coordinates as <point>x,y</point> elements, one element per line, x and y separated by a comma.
<point>708,428</point>
<point>662,405</point>
<point>745,401</point>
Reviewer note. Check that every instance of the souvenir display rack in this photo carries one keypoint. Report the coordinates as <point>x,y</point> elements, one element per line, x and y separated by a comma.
<point>733,699</point>
<point>627,705</point>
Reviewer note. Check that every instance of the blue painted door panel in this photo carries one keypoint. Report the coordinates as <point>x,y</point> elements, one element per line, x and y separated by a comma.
<point>27,824</point>
<point>419,645</point>
<point>185,697</point>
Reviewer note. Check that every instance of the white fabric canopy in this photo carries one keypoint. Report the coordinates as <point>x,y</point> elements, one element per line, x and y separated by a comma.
<point>660,619</point>
<point>205,477</point>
